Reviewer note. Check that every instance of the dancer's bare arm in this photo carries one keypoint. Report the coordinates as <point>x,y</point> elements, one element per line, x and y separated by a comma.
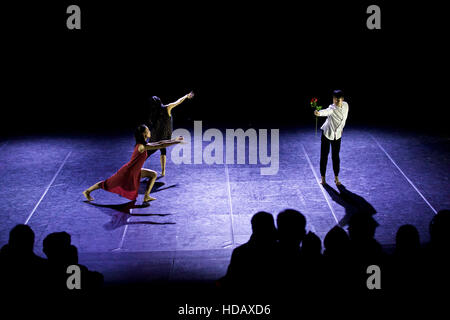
<point>163,141</point>
<point>159,144</point>
<point>172,105</point>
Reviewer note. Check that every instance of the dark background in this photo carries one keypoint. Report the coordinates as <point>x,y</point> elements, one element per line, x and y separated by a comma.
<point>253,64</point>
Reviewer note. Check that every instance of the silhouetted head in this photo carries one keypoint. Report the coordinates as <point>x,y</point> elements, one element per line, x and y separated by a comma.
<point>336,242</point>
<point>361,226</point>
<point>407,239</point>
<point>141,134</point>
<point>56,246</point>
<point>439,229</point>
<point>291,227</point>
<point>311,245</point>
<point>21,239</point>
<point>263,227</point>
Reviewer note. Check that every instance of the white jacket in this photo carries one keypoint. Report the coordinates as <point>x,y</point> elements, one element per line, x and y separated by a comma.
<point>336,117</point>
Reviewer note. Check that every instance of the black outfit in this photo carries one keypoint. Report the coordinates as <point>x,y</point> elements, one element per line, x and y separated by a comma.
<point>325,150</point>
<point>160,124</point>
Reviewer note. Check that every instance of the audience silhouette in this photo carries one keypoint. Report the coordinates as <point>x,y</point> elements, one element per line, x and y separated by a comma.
<point>300,269</point>
<point>60,255</point>
<point>252,264</point>
<point>291,232</point>
<point>438,254</point>
<point>337,264</point>
<point>23,272</point>
<point>406,263</point>
<point>283,260</point>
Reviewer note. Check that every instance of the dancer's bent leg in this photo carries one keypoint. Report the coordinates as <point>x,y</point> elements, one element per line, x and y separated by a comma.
<point>146,173</point>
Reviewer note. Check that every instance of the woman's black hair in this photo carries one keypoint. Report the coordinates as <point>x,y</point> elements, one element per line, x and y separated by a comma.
<point>139,134</point>
<point>338,94</point>
<point>154,110</point>
<point>156,101</point>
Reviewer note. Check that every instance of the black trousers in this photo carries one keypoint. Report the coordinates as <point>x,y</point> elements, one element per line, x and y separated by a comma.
<point>325,150</point>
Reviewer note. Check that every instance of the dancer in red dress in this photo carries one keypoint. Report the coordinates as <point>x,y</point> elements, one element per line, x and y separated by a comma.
<point>125,182</point>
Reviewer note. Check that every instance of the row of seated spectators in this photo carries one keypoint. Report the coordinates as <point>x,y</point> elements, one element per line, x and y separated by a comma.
<point>276,260</point>
<point>22,271</point>
<point>287,260</point>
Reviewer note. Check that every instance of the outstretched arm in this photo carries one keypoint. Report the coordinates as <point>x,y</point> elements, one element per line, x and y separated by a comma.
<point>323,113</point>
<point>159,144</point>
<point>172,105</point>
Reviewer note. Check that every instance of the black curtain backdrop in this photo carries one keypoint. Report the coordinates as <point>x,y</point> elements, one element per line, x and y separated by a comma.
<point>253,64</point>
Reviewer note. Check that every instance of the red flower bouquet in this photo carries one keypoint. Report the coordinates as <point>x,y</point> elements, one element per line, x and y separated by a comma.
<point>316,107</point>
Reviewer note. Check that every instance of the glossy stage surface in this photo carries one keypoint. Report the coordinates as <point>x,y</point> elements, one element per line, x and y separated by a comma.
<point>203,211</point>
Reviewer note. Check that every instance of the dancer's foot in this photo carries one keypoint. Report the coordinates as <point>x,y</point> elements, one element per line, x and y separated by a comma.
<point>163,173</point>
<point>147,198</point>
<point>87,194</point>
<point>323,182</point>
<point>336,180</point>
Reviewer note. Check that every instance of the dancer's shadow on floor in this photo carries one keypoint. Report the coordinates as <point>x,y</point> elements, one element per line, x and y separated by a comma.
<point>120,213</point>
<point>158,186</point>
<point>353,203</point>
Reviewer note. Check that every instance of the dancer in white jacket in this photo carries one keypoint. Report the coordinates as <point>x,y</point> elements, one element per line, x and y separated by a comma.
<point>332,129</point>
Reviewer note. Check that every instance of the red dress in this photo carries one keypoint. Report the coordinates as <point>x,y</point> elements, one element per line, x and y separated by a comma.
<point>125,182</point>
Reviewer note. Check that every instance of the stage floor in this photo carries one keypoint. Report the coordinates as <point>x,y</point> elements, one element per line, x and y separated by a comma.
<point>203,211</point>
